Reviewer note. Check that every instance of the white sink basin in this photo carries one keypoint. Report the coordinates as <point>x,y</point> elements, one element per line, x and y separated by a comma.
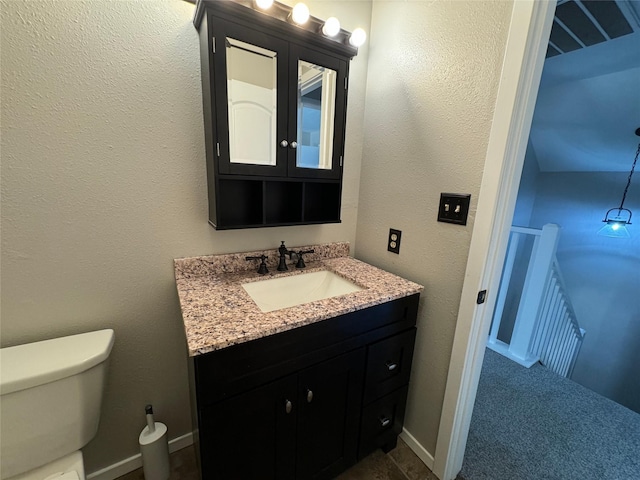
<point>284,292</point>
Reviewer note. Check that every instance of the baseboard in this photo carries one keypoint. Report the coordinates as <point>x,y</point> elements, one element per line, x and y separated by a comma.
<point>133,463</point>
<point>503,349</point>
<point>417,448</point>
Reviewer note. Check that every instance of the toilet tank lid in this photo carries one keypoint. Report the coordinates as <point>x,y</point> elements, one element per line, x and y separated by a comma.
<point>32,364</point>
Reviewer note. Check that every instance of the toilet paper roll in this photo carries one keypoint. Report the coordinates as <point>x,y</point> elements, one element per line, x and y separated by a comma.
<point>154,448</point>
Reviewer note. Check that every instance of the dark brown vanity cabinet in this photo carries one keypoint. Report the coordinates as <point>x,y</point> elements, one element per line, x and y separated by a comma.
<point>306,403</point>
<point>274,102</point>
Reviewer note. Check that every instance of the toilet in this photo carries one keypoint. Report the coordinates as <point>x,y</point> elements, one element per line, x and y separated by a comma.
<point>50,399</point>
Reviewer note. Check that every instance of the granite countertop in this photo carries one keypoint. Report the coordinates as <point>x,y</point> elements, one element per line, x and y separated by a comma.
<point>217,312</point>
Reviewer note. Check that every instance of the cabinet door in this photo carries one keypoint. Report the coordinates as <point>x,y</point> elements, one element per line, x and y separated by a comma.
<point>251,435</point>
<point>328,416</point>
<point>317,107</point>
<point>250,100</point>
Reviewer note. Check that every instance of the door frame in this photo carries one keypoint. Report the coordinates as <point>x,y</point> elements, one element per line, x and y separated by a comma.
<point>525,51</point>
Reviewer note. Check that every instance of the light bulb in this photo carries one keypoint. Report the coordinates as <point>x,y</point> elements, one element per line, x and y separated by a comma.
<point>358,37</point>
<point>615,226</point>
<point>300,13</point>
<point>264,4</point>
<point>331,27</point>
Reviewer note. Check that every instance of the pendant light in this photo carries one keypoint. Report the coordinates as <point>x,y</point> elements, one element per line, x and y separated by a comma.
<point>616,219</point>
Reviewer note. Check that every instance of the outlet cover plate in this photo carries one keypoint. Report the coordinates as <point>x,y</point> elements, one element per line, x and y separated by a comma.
<point>454,208</point>
<point>393,243</point>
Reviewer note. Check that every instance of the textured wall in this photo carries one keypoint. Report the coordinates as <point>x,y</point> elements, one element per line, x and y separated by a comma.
<point>433,74</point>
<point>103,185</point>
<point>602,276</point>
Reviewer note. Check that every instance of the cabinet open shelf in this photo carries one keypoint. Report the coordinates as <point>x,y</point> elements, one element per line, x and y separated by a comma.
<point>259,202</point>
<point>321,201</point>
<point>283,202</point>
<point>243,203</point>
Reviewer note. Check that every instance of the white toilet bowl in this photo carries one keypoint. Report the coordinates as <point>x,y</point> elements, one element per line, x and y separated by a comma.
<point>51,395</point>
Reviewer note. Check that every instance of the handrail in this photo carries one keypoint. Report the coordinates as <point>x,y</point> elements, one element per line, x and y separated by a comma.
<point>574,319</point>
<point>558,335</point>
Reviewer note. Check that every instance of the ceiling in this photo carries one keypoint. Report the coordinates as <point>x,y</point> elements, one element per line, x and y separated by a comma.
<point>588,106</point>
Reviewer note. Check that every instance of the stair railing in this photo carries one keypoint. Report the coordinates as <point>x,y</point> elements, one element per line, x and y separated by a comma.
<point>545,327</point>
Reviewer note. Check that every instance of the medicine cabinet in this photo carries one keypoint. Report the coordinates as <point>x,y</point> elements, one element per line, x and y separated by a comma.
<point>274,104</point>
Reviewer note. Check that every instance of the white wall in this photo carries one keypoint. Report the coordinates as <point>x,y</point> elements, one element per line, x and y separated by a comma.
<point>602,276</point>
<point>104,184</point>
<point>434,69</point>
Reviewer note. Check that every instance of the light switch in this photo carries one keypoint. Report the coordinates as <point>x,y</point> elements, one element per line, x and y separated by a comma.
<point>454,208</point>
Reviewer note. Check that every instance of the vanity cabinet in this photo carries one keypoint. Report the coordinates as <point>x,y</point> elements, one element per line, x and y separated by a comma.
<point>274,104</point>
<point>306,403</point>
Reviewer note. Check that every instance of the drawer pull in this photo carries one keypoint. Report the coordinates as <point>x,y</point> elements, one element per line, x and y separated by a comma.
<point>309,395</point>
<point>288,406</point>
<point>391,366</point>
<point>384,421</point>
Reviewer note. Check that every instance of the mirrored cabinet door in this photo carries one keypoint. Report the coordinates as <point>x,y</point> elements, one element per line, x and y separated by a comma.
<point>251,80</point>
<point>317,113</point>
<point>252,94</point>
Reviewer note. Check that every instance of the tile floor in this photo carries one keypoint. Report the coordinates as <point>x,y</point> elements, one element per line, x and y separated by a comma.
<point>399,464</point>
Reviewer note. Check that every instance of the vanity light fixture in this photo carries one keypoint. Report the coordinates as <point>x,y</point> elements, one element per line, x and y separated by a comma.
<point>358,37</point>
<point>616,225</point>
<point>300,14</point>
<point>331,27</point>
<point>264,4</point>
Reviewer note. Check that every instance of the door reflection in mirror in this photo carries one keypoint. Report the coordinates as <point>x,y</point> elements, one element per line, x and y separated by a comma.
<point>252,94</point>
<point>316,115</point>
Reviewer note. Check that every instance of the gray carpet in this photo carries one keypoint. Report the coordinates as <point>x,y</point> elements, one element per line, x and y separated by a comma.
<point>531,424</point>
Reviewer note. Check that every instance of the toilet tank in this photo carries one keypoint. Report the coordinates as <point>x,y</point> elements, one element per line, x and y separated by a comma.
<point>50,398</point>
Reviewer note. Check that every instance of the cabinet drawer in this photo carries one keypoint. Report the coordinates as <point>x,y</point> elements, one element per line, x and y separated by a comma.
<point>382,422</point>
<point>388,365</point>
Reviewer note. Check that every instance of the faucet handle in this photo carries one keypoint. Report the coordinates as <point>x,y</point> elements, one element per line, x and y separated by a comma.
<point>301,263</point>
<point>262,269</point>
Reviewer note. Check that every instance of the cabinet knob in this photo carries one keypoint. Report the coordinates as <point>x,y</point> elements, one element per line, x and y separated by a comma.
<point>391,366</point>
<point>284,143</point>
<point>384,421</point>
<point>309,395</point>
<point>293,144</point>
<point>288,406</point>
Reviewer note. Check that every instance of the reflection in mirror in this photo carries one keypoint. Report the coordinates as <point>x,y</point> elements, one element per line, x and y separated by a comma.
<point>316,114</point>
<point>252,94</point>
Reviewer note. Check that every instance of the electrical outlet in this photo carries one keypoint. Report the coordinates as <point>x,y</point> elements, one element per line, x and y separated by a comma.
<point>393,244</point>
<point>454,208</point>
